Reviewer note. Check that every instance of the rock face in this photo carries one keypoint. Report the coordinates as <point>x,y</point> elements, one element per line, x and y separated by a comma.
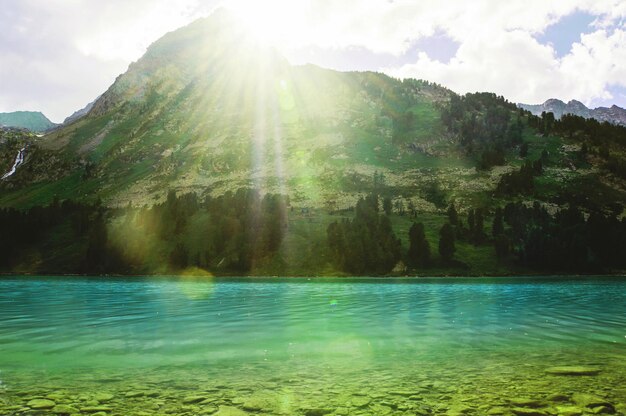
<point>614,114</point>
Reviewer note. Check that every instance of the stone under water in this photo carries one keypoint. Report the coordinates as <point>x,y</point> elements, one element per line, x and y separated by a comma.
<point>139,347</point>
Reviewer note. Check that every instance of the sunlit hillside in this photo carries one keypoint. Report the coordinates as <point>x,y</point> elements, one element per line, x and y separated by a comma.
<point>207,110</point>
<point>212,112</point>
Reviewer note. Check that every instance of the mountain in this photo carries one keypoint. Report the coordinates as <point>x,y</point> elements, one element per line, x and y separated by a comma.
<point>207,108</point>
<point>614,114</point>
<point>182,160</point>
<point>31,120</point>
<point>79,113</point>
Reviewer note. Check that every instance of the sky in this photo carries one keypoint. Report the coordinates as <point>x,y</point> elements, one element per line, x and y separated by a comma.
<point>58,55</point>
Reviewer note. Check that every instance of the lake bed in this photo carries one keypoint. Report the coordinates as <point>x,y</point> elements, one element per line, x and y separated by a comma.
<point>138,346</point>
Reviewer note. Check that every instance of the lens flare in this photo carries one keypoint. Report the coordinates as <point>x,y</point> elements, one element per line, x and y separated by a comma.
<point>275,22</point>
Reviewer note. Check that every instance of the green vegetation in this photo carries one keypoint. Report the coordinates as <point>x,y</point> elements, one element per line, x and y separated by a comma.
<point>369,170</point>
<point>366,244</point>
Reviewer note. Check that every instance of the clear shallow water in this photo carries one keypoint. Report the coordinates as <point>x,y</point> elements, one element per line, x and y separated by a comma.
<point>299,346</point>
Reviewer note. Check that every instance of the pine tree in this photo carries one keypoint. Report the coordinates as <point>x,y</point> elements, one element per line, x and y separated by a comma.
<point>497,227</point>
<point>502,245</point>
<point>453,216</point>
<point>419,249</point>
<point>446,242</point>
<point>479,225</point>
<point>387,205</point>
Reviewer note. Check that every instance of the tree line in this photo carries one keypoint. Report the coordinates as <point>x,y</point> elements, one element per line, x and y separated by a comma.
<point>486,125</point>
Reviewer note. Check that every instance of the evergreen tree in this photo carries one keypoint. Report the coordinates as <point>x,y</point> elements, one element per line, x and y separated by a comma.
<point>96,255</point>
<point>453,216</point>
<point>502,245</point>
<point>523,150</point>
<point>446,242</point>
<point>419,249</point>
<point>479,225</point>
<point>497,227</point>
<point>471,222</point>
<point>366,243</point>
<point>387,205</point>
<point>179,257</point>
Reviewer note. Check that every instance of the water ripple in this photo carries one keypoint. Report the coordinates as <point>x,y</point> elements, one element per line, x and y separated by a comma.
<point>127,322</point>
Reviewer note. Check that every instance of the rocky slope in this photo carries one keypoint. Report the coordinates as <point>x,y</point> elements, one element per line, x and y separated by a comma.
<point>614,114</point>
<point>79,113</point>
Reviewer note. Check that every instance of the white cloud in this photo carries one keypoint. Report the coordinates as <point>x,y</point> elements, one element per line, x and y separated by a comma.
<point>595,63</point>
<point>57,55</point>
<point>514,65</point>
<point>500,54</point>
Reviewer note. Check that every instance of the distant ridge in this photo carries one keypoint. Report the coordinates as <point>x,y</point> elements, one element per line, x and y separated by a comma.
<point>80,113</point>
<point>31,120</point>
<point>614,114</point>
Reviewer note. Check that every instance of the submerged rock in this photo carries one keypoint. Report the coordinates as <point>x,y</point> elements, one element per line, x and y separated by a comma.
<point>193,399</point>
<point>259,402</point>
<point>603,410</point>
<point>318,411</point>
<point>63,409</point>
<point>230,411</point>
<point>522,411</point>
<point>573,370</point>
<point>360,401</point>
<point>525,402</point>
<point>569,411</point>
<point>103,397</point>
<point>590,401</point>
<point>379,409</point>
<point>459,409</point>
<point>557,397</point>
<point>95,409</point>
<point>41,404</point>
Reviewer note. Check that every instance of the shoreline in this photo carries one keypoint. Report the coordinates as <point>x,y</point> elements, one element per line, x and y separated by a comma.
<point>325,277</point>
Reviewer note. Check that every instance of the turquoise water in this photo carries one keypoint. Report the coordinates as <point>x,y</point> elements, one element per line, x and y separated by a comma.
<point>303,346</point>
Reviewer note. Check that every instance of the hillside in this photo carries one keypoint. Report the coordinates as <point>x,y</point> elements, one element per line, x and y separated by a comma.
<point>31,120</point>
<point>614,114</point>
<point>210,135</point>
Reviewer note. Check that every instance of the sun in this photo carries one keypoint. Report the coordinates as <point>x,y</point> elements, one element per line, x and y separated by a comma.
<point>279,23</point>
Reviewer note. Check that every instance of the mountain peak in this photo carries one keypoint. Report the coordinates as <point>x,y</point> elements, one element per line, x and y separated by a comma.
<point>208,48</point>
<point>615,114</point>
<point>576,103</point>
<point>553,101</point>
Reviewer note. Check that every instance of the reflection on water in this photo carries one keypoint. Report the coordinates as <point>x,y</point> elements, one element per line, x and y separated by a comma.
<point>300,346</point>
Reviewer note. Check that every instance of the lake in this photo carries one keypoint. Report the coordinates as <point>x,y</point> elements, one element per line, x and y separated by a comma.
<point>455,346</point>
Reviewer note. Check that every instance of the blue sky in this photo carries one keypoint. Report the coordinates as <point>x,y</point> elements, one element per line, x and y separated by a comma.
<point>57,55</point>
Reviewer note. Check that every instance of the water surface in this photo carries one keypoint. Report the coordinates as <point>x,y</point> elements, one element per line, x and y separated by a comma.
<point>310,346</point>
